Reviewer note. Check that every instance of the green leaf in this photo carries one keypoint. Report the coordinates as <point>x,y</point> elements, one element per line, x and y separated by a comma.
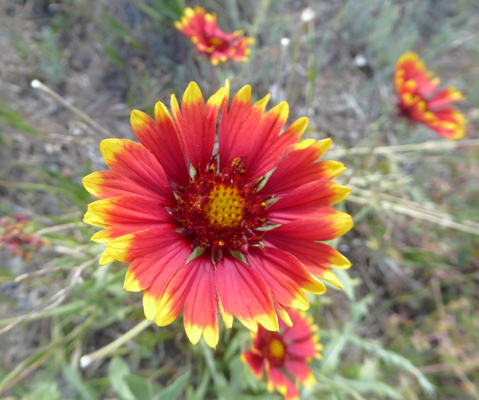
<point>12,118</point>
<point>118,371</point>
<point>360,308</point>
<point>112,51</point>
<point>341,387</point>
<point>362,213</point>
<point>120,30</point>
<point>149,11</point>
<point>235,343</point>
<point>366,386</point>
<point>170,8</point>
<point>202,388</point>
<point>392,358</point>
<point>75,379</point>
<point>348,283</point>
<point>44,391</point>
<point>51,57</point>
<point>141,388</point>
<point>333,349</point>
<point>172,392</point>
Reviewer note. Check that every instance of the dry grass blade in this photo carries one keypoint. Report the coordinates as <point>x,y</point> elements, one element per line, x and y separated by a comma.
<point>387,205</point>
<point>56,299</point>
<point>420,147</point>
<point>36,84</point>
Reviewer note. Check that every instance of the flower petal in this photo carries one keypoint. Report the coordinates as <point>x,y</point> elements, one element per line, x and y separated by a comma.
<point>197,123</point>
<point>306,349</point>
<point>193,286</point>
<point>126,210</point>
<point>243,293</point>
<point>232,135</point>
<point>107,184</point>
<point>135,162</point>
<point>298,167</point>
<point>303,343</point>
<point>276,146</point>
<point>285,276</point>
<point>212,110</point>
<point>292,391</point>
<point>106,258</point>
<point>157,242</point>
<point>445,97</point>
<point>449,123</point>
<point>300,371</point>
<point>265,144</point>
<point>317,258</point>
<point>160,264</point>
<point>330,225</point>
<point>162,140</point>
<point>276,380</point>
<point>304,202</point>
<point>116,231</point>
<point>255,362</point>
<point>201,309</point>
<point>238,123</point>
<point>282,313</point>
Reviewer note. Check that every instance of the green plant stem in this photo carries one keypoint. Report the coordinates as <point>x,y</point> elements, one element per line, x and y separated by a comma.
<point>419,147</point>
<point>110,348</point>
<point>297,44</point>
<point>26,371</point>
<point>36,84</point>
<point>280,70</point>
<point>34,361</point>
<point>219,380</point>
<point>213,78</point>
<point>311,63</point>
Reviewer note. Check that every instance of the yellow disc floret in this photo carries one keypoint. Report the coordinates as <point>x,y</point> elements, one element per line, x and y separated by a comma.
<point>226,206</point>
<point>276,349</point>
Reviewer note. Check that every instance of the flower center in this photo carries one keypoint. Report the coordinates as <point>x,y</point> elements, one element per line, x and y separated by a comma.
<point>218,43</point>
<point>222,208</point>
<point>276,349</point>
<point>225,208</point>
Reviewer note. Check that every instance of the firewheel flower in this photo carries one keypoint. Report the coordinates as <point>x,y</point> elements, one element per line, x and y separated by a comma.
<point>14,238</point>
<point>208,232</point>
<point>415,87</point>
<point>218,46</point>
<point>285,354</point>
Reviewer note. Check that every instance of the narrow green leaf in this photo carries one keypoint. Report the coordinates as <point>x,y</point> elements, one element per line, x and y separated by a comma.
<point>149,11</point>
<point>118,371</point>
<point>348,283</point>
<point>141,388</point>
<point>172,392</point>
<point>75,379</point>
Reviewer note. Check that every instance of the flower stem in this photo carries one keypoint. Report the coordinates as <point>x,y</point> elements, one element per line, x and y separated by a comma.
<point>294,59</point>
<point>86,360</point>
<point>214,79</point>
<point>36,84</point>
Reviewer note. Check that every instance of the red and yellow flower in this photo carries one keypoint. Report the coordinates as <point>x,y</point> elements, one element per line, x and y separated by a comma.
<point>285,354</point>
<point>415,86</point>
<point>235,230</point>
<point>14,238</point>
<point>218,46</point>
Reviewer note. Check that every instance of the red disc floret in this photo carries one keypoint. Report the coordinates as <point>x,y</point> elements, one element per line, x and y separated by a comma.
<point>222,208</point>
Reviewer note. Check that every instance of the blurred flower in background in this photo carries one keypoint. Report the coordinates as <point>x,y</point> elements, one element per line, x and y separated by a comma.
<point>255,244</point>
<point>210,40</point>
<point>415,87</point>
<point>14,238</point>
<point>285,354</point>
